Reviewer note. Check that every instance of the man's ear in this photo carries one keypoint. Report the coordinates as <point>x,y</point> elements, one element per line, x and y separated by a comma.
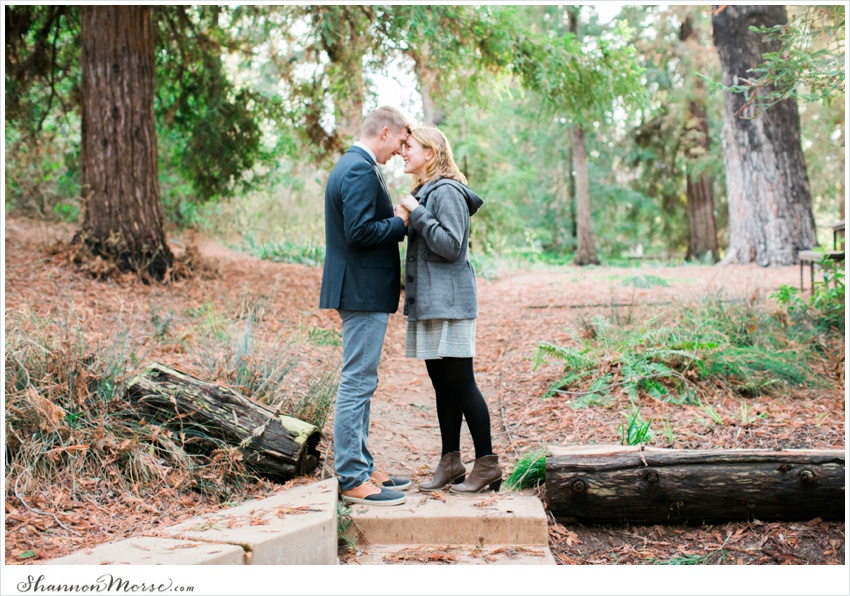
<point>385,133</point>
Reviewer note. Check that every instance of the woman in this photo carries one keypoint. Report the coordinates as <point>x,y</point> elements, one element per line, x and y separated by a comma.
<point>442,305</point>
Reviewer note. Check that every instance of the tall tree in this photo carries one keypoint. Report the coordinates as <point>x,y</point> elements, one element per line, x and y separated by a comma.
<point>702,229</point>
<point>585,248</point>
<point>767,186</point>
<point>122,217</point>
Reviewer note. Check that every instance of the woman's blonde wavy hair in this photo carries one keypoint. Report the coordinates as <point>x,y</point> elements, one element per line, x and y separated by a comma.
<point>443,163</point>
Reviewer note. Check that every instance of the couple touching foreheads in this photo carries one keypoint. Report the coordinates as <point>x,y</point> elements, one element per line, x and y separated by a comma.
<point>361,280</point>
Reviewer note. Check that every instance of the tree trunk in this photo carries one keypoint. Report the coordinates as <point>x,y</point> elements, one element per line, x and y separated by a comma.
<point>767,186</point>
<point>614,484</point>
<point>560,210</point>
<point>429,85</point>
<point>280,447</point>
<point>122,216</point>
<point>572,195</point>
<point>702,229</point>
<point>585,249</point>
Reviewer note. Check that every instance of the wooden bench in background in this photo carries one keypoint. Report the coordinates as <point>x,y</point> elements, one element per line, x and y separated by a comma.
<point>813,257</point>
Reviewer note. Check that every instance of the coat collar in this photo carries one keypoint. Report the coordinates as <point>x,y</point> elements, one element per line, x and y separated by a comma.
<point>359,148</point>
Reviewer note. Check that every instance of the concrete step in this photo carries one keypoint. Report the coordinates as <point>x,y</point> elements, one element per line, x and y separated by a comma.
<point>440,518</point>
<point>150,550</point>
<point>452,554</point>
<point>294,527</point>
<point>297,526</point>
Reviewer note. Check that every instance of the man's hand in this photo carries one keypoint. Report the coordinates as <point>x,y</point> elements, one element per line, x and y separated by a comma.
<point>401,212</point>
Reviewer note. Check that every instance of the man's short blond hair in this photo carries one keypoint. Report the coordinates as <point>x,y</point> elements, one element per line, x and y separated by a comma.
<point>385,116</point>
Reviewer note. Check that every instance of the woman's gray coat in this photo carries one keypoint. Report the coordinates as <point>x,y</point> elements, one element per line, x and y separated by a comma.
<point>439,280</point>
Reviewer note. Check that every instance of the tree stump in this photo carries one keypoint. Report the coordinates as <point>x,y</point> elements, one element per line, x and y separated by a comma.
<point>615,484</point>
<point>277,446</point>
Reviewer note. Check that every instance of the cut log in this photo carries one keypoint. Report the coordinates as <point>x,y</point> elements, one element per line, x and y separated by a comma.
<point>616,484</point>
<point>277,446</point>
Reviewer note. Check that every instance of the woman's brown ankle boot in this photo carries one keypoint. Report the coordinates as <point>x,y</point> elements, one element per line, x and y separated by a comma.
<point>450,469</point>
<point>486,473</point>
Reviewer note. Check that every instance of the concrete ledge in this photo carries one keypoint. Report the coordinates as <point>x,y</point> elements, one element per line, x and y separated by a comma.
<point>147,550</point>
<point>484,519</point>
<point>454,554</point>
<point>296,527</point>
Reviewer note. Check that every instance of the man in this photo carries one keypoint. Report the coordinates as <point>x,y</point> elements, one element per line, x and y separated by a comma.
<point>361,279</point>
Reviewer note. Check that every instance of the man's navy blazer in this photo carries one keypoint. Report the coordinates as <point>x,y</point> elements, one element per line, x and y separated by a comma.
<point>362,270</point>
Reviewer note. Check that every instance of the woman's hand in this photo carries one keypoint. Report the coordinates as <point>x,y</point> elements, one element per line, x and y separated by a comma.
<point>409,202</point>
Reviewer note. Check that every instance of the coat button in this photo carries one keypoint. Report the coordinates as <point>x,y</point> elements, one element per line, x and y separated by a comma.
<point>411,300</point>
<point>409,278</point>
<point>426,254</point>
<point>411,258</point>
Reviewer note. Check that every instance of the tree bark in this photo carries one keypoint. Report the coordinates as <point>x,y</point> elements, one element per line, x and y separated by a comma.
<point>122,216</point>
<point>585,249</point>
<point>429,85</point>
<point>615,484</point>
<point>767,185</point>
<point>702,228</point>
<point>277,446</point>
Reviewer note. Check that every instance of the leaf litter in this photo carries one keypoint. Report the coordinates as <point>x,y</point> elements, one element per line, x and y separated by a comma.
<point>517,311</point>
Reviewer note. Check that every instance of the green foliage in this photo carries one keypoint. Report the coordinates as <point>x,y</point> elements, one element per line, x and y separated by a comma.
<point>42,177</point>
<point>715,417</point>
<point>345,531</point>
<point>212,123</point>
<point>208,126</point>
<point>579,81</point>
<point>645,281</point>
<point>283,252</point>
<point>325,337</point>
<point>809,63</point>
<point>252,99</point>
<point>679,356</point>
<point>529,471</point>
<point>825,309</point>
<point>637,431</point>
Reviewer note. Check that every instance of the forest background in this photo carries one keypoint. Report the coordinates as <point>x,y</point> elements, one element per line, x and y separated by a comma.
<point>254,103</point>
<point>593,140</point>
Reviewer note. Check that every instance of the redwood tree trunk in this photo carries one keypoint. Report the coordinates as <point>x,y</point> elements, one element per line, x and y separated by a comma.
<point>702,229</point>
<point>767,186</point>
<point>585,249</point>
<point>122,217</point>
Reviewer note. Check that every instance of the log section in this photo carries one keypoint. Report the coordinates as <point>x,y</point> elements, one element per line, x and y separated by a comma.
<point>277,446</point>
<point>615,484</point>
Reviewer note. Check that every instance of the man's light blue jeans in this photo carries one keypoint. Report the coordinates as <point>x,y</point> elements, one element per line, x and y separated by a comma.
<point>362,340</point>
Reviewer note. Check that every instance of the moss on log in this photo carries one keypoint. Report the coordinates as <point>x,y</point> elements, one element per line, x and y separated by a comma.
<point>277,446</point>
<point>615,484</point>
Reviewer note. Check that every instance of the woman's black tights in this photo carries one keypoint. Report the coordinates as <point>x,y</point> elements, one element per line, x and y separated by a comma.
<point>458,397</point>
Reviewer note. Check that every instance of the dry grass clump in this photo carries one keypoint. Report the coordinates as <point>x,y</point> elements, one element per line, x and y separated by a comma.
<point>69,424</point>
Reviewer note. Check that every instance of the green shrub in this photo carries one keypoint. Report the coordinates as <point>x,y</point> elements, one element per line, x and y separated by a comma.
<point>825,309</point>
<point>678,356</point>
